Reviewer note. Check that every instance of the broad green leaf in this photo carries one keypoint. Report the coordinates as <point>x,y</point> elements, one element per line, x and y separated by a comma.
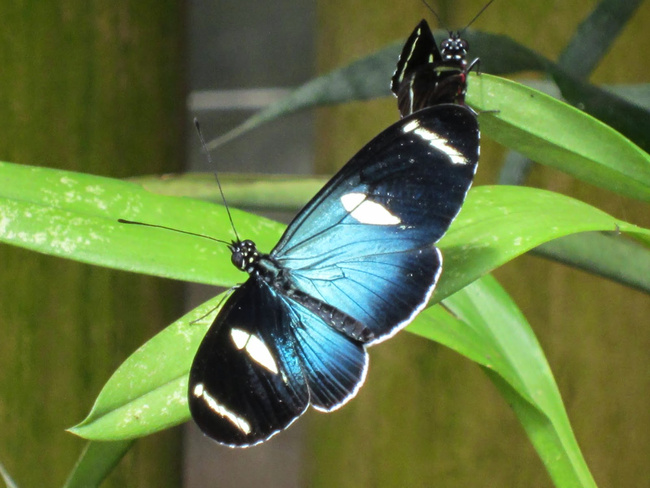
<point>499,223</point>
<point>75,215</point>
<point>148,392</point>
<point>488,328</point>
<point>496,224</point>
<point>96,462</point>
<point>588,45</point>
<point>629,118</point>
<point>556,134</point>
<point>610,256</point>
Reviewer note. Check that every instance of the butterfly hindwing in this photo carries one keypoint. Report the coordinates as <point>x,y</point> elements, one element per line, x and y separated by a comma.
<point>263,361</point>
<point>365,242</point>
<point>245,384</point>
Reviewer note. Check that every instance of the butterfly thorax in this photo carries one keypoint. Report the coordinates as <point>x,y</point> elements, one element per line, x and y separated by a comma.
<point>263,267</point>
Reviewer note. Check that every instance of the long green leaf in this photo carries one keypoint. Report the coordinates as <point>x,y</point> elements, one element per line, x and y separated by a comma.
<point>609,255</point>
<point>556,134</point>
<point>489,329</point>
<point>588,45</point>
<point>148,392</point>
<point>496,224</point>
<point>367,78</point>
<point>499,223</point>
<point>247,191</point>
<point>96,462</point>
<point>75,215</point>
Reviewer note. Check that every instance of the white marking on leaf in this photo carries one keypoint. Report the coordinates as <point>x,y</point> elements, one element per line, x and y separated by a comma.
<point>366,211</point>
<point>216,407</point>
<point>256,349</point>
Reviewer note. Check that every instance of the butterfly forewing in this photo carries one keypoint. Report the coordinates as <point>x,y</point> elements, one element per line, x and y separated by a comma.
<point>420,49</point>
<point>365,242</point>
<point>427,76</point>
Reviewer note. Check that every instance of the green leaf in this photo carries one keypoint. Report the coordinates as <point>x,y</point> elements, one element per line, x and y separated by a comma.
<point>148,392</point>
<point>75,215</point>
<point>265,192</point>
<point>629,118</point>
<point>488,328</point>
<point>558,135</point>
<point>595,35</point>
<point>499,223</point>
<point>609,255</point>
<point>96,462</point>
<point>367,78</point>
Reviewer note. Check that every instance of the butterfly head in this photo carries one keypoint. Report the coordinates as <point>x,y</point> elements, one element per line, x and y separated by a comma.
<point>244,255</point>
<point>454,48</point>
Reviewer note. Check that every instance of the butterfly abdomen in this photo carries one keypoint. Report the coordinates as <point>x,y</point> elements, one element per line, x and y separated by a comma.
<point>338,320</point>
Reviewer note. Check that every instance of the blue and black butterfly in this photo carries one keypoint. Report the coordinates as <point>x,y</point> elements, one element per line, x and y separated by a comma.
<point>427,76</point>
<point>354,267</point>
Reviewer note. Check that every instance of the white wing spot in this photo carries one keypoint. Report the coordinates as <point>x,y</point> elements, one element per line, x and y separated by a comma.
<point>412,125</point>
<point>436,140</point>
<point>216,407</point>
<point>256,349</point>
<point>366,211</point>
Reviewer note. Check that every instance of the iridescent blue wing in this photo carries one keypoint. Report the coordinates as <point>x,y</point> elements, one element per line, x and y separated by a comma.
<point>263,361</point>
<point>365,243</point>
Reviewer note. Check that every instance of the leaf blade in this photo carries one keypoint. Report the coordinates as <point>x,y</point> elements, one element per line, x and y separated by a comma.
<point>513,359</point>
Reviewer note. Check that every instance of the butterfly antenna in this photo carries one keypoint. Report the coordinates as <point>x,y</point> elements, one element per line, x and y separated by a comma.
<point>430,8</point>
<point>477,16</point>
<point>216,177</point>
<point>133,222</point>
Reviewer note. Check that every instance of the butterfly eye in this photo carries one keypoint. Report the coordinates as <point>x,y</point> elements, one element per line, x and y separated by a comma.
<point>237,259</point>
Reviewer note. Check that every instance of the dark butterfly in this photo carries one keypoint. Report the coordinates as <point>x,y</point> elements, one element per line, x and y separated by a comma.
<point>426,75</point>
<point>353,268</point>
